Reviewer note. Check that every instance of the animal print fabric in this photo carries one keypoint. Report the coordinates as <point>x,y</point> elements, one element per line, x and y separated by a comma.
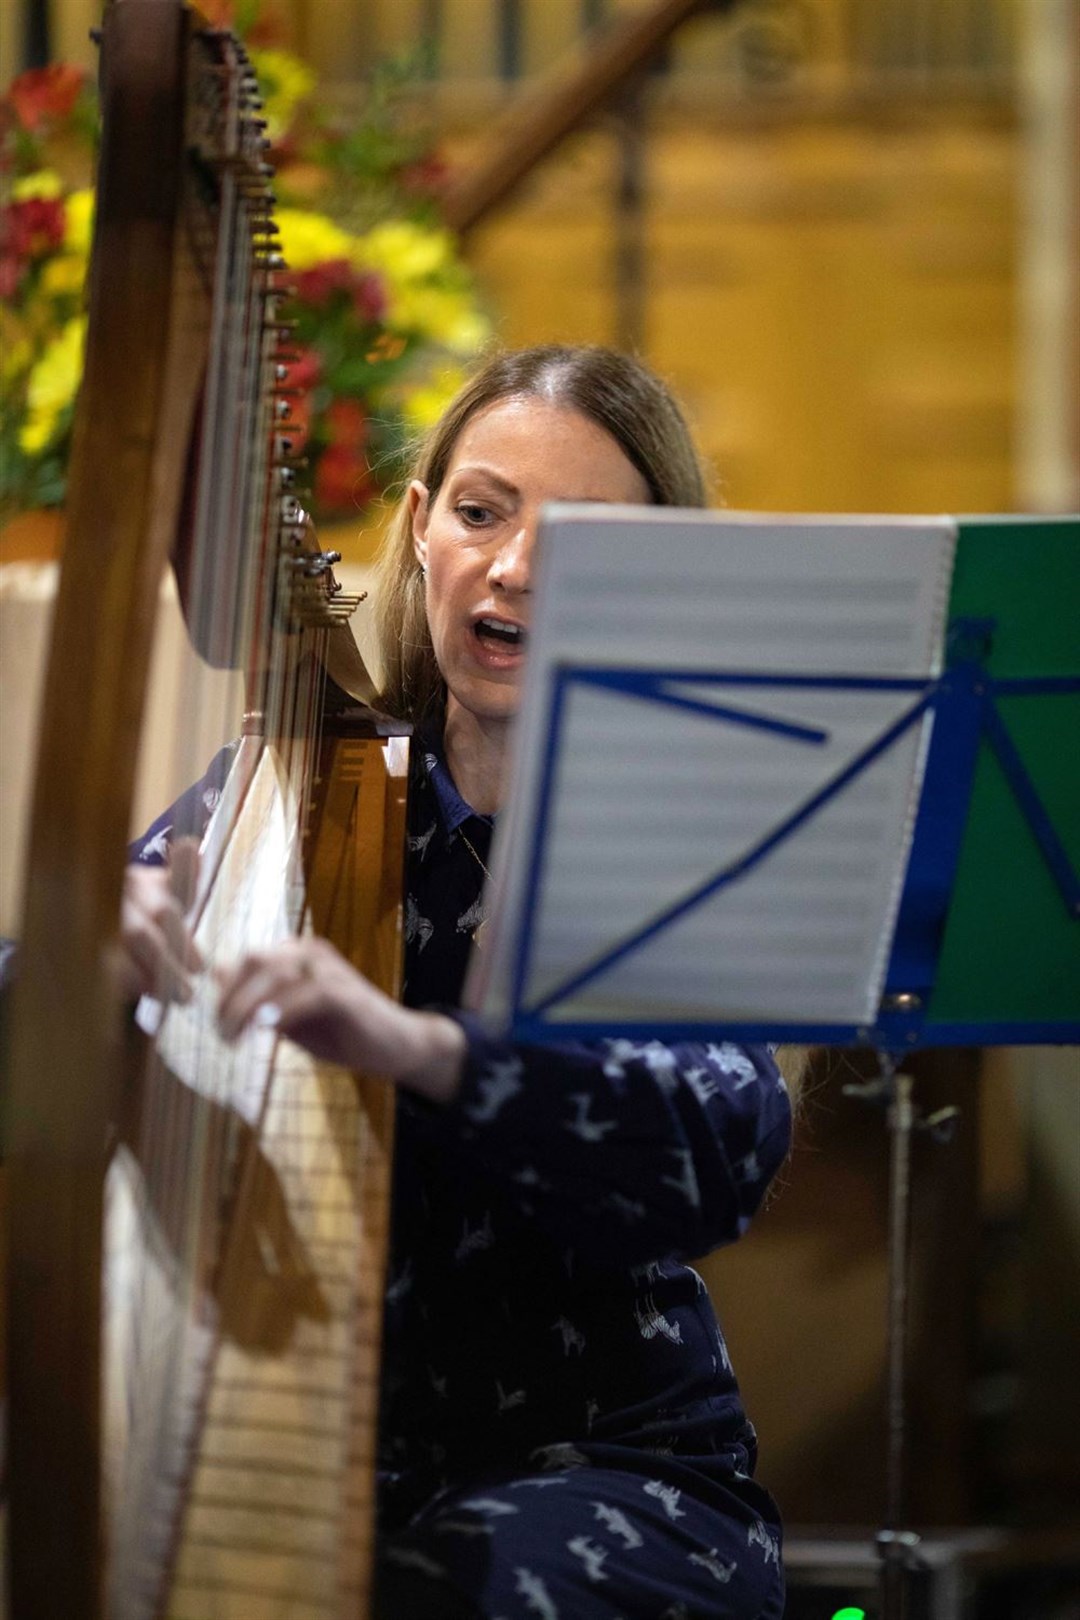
<point>562,1435</point>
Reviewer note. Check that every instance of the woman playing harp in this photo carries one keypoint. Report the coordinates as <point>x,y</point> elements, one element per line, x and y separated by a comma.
<point>561,1432</point>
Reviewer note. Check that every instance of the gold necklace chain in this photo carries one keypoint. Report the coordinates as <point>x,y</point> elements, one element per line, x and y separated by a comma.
<point>472,852</point>
<point>478,931</point>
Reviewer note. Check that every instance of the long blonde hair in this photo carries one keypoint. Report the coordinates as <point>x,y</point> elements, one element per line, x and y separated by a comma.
<point>616,392</point>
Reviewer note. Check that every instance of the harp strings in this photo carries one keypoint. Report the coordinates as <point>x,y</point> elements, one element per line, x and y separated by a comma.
<point>199,1102</point>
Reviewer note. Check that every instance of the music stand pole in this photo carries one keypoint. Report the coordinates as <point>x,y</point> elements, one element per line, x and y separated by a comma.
<point>898,1546</point>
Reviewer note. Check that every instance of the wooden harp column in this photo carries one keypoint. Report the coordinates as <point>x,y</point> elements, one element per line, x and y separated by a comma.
<point>180,184</point>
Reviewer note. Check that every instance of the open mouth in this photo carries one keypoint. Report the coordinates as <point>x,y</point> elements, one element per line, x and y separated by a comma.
<point>500,634</point>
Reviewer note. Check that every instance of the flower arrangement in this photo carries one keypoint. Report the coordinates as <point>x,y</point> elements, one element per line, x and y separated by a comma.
<point>386,314</point>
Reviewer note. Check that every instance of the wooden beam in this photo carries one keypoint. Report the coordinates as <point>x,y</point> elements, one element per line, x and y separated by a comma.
<point>537,121</point>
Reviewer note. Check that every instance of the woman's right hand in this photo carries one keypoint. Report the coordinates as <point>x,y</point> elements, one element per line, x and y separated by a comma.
<point>158,953</point>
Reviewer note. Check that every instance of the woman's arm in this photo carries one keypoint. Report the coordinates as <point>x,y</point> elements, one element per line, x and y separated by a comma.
<point>634,1149</point>
<point>630,1149</point>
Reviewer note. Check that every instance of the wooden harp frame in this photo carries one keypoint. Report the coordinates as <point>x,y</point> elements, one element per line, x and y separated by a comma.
<point>150,329</point>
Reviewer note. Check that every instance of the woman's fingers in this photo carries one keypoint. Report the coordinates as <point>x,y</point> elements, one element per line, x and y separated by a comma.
<point>306,990</point>
<point>180,950</point>
<point>309,992</point>
<point>159,950</point>
<point>259,980</point>
<point>184,871</point>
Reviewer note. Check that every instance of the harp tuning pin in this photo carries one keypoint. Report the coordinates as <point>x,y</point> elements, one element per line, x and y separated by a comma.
<point>315,563</point>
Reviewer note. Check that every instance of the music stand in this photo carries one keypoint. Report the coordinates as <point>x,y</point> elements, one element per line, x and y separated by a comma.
<point>982,944</point>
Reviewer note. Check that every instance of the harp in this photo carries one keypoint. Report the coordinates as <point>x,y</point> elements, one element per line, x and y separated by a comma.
<point>195,1237</point>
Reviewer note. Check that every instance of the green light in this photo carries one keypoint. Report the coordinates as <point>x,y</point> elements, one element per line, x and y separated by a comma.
<point>850,1614</point>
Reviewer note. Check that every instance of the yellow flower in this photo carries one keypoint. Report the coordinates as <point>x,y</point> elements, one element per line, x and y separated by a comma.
<point>308,239</point>
<point>285,81</point>
<point>53,384</point>
<point>45,183</point>
<point>404,252</point>
<point>422,407</point>
<point>443,315</point>
<point>425,294</point>
<point>63,276</point>
<point>79,221</point>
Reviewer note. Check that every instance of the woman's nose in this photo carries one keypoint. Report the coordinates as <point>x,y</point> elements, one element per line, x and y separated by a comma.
<point>511,567</point>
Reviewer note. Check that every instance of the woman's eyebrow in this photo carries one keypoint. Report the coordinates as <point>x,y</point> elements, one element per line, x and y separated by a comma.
<point>479,470</point>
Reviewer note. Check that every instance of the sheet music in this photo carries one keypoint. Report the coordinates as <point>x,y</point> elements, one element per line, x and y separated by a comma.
<point>717,681</point>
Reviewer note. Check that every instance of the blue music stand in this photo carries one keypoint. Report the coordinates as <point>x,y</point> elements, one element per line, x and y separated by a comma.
<point>985,948</point>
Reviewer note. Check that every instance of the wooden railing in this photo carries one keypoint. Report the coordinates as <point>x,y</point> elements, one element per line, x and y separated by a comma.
<point>475,50</point>
<point>537,122</point>
<point>773,42</point>
<point>910,45</point>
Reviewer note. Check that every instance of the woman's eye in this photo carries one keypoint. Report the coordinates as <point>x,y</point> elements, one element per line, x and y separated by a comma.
<point>474,514</point>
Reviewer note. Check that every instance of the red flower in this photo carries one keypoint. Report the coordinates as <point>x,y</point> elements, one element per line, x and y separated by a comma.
<point>305,370</point>
<point>219,14</point>
<point>343,480</point>
<point>268,33</point>
<point>43,95</point>
<point>323,282</point>
<point>428,177</point>
<point>31,228</point>
<point>348,423</point>
<point>10,276</point>
<point>319,284</point>
<point>369,297</point>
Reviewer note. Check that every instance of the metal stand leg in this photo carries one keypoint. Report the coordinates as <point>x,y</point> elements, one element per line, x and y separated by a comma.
<point>898,1548</point>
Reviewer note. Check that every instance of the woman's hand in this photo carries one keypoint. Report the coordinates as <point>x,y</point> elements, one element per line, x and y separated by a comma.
<point>308,991</point>
<point>158,953</point>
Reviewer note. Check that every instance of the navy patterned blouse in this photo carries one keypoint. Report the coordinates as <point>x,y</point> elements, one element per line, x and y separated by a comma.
<point>540,1310</point>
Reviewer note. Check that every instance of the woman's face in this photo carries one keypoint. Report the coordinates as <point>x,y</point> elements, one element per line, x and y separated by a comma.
<point>476,539</point>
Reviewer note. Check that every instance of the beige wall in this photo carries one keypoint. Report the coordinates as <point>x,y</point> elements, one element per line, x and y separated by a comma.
<point>835,300</point>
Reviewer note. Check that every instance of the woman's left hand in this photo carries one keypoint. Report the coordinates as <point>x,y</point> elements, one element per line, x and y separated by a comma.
<point>309,992</point>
